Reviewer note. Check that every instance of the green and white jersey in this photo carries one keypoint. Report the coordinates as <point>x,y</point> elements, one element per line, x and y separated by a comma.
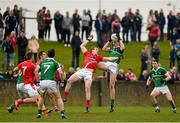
<point>48,68</point>
<point>19,79</point>
<point>157,76</point>
<point>115,52</point>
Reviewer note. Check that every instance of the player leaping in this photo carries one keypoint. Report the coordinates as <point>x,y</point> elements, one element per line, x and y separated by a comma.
<point>116,50</point>
<point>90,64</point>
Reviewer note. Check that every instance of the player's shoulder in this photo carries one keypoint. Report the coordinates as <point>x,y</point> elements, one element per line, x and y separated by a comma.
<point>161,68</point>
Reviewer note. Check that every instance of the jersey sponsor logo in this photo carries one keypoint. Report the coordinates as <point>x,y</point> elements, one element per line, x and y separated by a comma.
<point>92,57</point>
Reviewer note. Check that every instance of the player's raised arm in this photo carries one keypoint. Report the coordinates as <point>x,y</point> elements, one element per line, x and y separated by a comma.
<point>122,47</point>
<point>105,47</point>
<point>16,68</point>
<point>83,45</point>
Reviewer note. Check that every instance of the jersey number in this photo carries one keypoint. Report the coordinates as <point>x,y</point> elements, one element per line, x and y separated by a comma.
<point>24,69</point>
<point>46,68</point>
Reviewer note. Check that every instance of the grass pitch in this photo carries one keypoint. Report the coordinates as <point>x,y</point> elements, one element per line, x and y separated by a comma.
<point>96,114</point>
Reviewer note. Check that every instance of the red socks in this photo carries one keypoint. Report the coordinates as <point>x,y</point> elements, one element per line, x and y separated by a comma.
<point>88,103</point>
<point>66,94</point>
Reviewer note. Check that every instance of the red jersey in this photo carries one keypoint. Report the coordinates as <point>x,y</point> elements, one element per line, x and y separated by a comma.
<point>154,32</point>
<point>27,68</point>
<point>91,60</point>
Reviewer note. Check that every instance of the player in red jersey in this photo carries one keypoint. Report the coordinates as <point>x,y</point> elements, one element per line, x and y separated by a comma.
<point>27,68</point>
<point>90,64</point>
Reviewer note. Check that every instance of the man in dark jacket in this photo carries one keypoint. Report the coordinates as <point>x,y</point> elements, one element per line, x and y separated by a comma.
<point>125,24</point>
<point>76,21</point>
<point>58,18</point>
<point>171,24</point>
<point>162,22</point>
<point>22,45</point>
<point>138,21</point>
<point>10,23</point>
<point>75,45</point>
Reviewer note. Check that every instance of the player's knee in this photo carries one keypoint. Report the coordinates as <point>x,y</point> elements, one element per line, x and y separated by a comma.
<point>152,95</point>
<point>87,88</point>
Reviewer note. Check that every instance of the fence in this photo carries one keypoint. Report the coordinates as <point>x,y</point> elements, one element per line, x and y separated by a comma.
<point>127,93</point>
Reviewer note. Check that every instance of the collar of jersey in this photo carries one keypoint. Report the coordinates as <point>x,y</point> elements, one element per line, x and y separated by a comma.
<point>49,58</point>
<point>156,69</point>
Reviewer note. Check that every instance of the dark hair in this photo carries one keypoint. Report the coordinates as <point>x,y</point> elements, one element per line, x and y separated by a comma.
<point>92,48</point>
<point>40,54</point>
<point>51,53</point>
<point>29,56</point>
<point>154,60</point>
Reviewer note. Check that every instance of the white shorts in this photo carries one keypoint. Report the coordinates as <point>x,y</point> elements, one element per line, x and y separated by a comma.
<point>20,87</point>
<point>49,85</point>
<point>30,90</point>
<point>112,67</point>
<point>162,90</point>
<point>84,74</point>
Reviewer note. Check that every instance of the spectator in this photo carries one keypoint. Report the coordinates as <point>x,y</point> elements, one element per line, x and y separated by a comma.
<point>114,15</point>
<point>4,54</point>
<point>21,23</point>
<point>10,23</point>
<point>125,24</point>
<point>130,76</point>
<point>91,21</point>
<point>99,27</point>
<point>85,24</point>
<point>6,13</point>
<point>33,47</point>
<point>162,22</point>
<point>174,75</point>
<point>9,50</point>
<point>156,14</point>
<point>66,25</point>
<point>143,76</point>
<point>13,40</point>
<point>144,60</point>
<point>16,14</point>
<point>106,28</point>
<point>178,22</point>
<point>172,58</point>
<point>120,75</point>
<point>132,25</point>
<point>174,37</point>
<point>41,23</point>
<point>116,26</point>
<point>150,19</point>
<point>148,51</point>
<point>76,21</point>
<point>155,51</point>
<point>1,29</point>
<point>48,21</point>
<point>138,21</point>
<point>58,18</point>
<point>22,45</point>
<point>154,33</point>
<point>171,24</point>
<point>75,45</point>
<point>177,49</point>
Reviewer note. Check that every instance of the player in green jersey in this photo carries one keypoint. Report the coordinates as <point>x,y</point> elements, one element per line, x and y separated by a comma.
<point>48,68</point>
<point>116,50</point>
<point>159,77</point>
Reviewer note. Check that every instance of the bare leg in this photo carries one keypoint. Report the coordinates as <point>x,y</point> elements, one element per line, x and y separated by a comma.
<point>154,95</point>
<point>88,93</point>
<point>171,101</point>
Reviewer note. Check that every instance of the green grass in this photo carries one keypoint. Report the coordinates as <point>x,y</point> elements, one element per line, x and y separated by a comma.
<point>131,55</point>
<point>98,114</point>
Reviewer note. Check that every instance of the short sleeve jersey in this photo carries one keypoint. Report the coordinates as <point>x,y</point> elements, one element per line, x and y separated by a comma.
<point>19,79</point>
<point>91,60</point>
<point>157,76</point>
<point>48,68</point>
<point>115,52</point>
<point>27,68</point>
